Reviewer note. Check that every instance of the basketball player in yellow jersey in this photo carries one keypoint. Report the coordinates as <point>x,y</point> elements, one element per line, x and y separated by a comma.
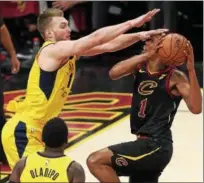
<point>52,74</point>
<point>50,165</point>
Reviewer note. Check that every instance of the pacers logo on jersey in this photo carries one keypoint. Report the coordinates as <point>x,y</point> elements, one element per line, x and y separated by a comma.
<point>147,87</point>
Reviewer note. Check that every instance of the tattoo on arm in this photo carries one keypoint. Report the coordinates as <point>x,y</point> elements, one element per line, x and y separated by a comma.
<point>179,76</point>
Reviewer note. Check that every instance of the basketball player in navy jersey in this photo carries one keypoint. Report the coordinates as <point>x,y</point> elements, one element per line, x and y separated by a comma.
<point>157,92</point>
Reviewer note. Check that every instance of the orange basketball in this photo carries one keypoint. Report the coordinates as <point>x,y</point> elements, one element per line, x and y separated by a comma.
<point>172,52</point>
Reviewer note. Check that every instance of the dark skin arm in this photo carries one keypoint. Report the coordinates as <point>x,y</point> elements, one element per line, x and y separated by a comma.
<point>5,39</point>
<point>18,169</point>
<point>128,66</point>
<point>76,173</point>
<point>189,89</point>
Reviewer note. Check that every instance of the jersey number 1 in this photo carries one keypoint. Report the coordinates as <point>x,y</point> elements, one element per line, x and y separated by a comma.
<point>143,105</point>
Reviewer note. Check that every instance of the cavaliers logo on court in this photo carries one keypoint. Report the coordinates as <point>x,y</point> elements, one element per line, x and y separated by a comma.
<point>86,113</point>
<point>121,161</point>
<point>147,87</point>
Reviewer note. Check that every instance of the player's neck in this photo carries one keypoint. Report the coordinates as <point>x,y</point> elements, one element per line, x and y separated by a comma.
<point>50,39</point>
<point>154,66</point>
<point>53,151</point>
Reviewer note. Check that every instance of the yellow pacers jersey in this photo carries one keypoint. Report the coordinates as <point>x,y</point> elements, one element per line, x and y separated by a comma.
<point>43,169</point>
<point>46,91</point>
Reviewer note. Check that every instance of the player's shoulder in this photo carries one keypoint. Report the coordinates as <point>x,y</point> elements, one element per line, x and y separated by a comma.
<point>75,169</point>
<point>51,49</point>
<point>46,58</point>
<point>179,75</point>
<point>47,47</point>
<point>74,166</point>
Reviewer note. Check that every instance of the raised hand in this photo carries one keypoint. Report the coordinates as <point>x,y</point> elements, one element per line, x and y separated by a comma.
<point>190,56</point>
<point>156,45</point>
<point>63,5</point>
<point>141,20</point>
<point>15,65</point>
<point>144,35</point>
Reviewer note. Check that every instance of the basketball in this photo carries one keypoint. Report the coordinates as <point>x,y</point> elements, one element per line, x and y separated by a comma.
<point>172,51</point>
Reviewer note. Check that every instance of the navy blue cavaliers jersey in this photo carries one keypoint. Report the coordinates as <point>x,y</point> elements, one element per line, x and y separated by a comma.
<point>153,107</point>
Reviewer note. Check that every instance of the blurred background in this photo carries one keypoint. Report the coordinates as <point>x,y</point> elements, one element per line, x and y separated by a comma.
<point>84,17</point>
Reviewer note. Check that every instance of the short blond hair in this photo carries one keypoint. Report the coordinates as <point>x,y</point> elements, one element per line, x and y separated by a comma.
<point>45,18</point>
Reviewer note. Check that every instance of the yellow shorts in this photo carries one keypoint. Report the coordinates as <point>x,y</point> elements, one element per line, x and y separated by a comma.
<point>21,138</point>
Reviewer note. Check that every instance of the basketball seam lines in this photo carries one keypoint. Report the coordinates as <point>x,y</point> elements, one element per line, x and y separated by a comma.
<point>171,47</point>
<point>165,53</point>
<point>179,58</point>
<point>179,49</point>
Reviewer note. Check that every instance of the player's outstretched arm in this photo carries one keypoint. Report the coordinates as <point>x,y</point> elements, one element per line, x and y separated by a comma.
<point>76,173</point>
<point>64,49</point>
<point>17,170</point>
<point>190,89</point>
<point>130,65</point>
<point>123,41</point>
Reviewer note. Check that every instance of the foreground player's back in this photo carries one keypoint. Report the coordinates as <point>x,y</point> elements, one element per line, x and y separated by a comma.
<point>40,168</point>
<point>50,165</point>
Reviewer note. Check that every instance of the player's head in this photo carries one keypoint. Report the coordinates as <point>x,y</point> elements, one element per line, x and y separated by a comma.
<point>150,44</point>
<point>55,133</point>
<point>53,26</point>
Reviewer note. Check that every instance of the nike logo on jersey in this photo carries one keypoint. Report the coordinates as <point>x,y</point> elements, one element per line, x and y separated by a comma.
<point>141,71</point>
<point>162,76</point>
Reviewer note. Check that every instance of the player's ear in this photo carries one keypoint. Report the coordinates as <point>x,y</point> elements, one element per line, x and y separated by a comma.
<point>48,33</point>
<point>65,145</point>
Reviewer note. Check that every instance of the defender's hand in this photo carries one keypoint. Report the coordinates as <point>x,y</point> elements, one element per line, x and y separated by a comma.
<point>15,65</point>
<point>63,5</point>
<point>156,45</point>
<point>144,35</point>
<point>141,20</point>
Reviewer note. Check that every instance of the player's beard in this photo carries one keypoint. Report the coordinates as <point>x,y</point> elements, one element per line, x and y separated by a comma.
<point>59,37</point>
